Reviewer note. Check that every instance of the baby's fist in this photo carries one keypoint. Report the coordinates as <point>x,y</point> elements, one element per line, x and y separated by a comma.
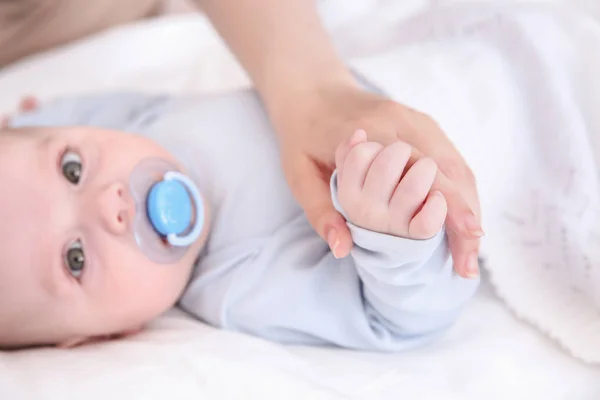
<point>380,190</point>
<point>28,103</point>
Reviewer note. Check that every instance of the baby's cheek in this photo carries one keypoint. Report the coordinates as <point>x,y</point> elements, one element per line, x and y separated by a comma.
<point>145,289</point>
<point>126,291</point>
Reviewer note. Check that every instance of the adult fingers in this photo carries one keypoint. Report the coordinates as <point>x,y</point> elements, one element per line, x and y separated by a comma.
<point>309,183</point>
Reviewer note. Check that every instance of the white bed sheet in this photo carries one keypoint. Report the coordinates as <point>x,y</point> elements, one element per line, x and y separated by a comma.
<point>489,354</point>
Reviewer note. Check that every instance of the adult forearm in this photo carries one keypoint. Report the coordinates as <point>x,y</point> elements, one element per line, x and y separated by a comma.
<point>28,27</point>
<point>281,43</point>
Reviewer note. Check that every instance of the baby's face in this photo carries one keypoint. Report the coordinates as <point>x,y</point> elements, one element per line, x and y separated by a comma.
<point>69,265</point>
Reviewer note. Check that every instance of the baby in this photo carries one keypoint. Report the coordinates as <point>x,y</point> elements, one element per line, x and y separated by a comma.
<point>105,230</point>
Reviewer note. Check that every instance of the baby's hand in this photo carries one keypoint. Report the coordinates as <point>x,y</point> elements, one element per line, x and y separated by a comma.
<point>380,192</point>
<point>28,103</point>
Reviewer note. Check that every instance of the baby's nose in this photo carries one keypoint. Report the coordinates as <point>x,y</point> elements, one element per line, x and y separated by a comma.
<point>116,208</point>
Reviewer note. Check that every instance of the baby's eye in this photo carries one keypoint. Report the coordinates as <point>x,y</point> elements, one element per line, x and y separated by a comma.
<point>71,167</point>
<point>75,259</point>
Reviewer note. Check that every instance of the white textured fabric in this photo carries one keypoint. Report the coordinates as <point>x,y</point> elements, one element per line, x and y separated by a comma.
<point>515,89</point>
<point>488,355</point>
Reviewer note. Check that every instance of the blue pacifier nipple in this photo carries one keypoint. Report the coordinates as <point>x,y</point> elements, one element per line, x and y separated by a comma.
<point>169,208</point>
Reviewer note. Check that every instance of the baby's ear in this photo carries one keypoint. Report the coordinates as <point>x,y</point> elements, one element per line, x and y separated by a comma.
<point>74,342</point>
<point>80,341</point>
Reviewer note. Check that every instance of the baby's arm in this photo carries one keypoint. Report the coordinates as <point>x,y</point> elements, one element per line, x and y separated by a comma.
<point>27,104</point>
<point>119,111</point>
<point>391,293</point>
<point>401,253</point>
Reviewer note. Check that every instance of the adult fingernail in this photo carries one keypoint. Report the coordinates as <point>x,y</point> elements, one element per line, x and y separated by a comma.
<point>472,267</point>
<point>359,136</point>
<point>333,241</point>
<point>473,226</point>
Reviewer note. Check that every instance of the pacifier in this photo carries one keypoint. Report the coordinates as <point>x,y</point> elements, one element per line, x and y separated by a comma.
<point>169,210</point>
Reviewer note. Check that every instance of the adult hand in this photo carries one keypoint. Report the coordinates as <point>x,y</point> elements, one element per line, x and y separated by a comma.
<point>317,121</point>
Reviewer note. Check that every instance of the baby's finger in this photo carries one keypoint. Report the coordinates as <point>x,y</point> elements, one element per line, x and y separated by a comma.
<point>355,169</point>
<point>430,219</point>
<point>386,171</point>
<point>413,189</point>
<point>4,121</point>
<point>28,103</point>
<point>344,148</point>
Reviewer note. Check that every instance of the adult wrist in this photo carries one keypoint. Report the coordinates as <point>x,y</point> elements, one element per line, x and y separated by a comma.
<point>302,94</point>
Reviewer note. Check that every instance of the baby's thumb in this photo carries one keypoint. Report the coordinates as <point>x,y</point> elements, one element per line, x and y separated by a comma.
<point>310,186</point>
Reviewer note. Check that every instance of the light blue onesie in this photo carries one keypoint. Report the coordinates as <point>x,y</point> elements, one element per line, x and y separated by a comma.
<point>264,271</point>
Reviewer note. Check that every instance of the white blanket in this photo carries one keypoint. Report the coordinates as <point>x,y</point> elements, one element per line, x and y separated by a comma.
<point>469,86</point>
<point>515,88</point>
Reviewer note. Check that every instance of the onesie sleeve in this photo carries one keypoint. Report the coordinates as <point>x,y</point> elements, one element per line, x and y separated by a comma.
<point>409,287</point>
<point>389,294</point>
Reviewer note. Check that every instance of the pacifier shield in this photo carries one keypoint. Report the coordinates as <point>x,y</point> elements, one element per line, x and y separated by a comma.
<point>164,210</point>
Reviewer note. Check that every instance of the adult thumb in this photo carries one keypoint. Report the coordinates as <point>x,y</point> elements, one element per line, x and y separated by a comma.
<point>309,183</point>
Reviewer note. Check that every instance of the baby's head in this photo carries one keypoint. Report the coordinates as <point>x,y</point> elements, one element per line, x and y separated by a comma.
<point>70,266</point>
